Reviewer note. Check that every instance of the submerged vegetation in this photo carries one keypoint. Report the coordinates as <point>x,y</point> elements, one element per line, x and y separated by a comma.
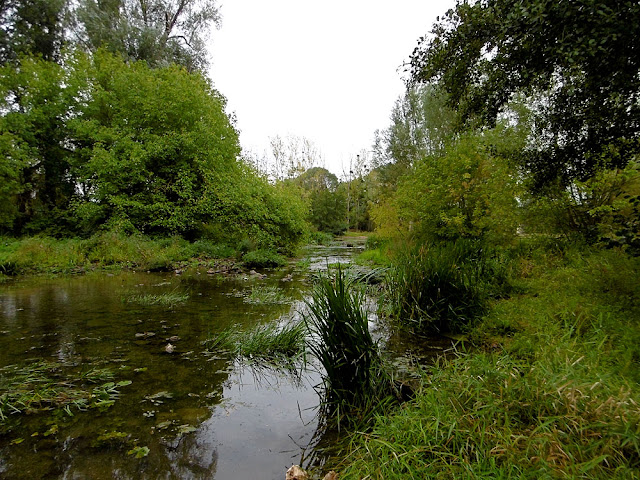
<point>162,299</point>
<point>43,386</point>
<point>267,295</point>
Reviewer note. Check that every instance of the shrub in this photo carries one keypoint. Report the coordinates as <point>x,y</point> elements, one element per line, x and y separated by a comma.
<point>444,286</point>
<point>263,259</point>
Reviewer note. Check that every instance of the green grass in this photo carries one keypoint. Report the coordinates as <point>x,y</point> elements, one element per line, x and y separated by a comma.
<point>270,342</point>
<point>108,250</point>
<point>267,295</point>
<point>162,299</point>
<point>263,259</point>
<point>375,257</point>
<point>549,388</point>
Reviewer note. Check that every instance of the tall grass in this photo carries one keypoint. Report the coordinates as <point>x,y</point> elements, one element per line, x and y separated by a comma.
<point>270,342</point>
<point>104,250</point>
<point>444,286</point>
<point>550,390</point>
<point>353,374</point>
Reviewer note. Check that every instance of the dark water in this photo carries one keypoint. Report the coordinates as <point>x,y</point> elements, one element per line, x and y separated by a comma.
<point>200,414</point>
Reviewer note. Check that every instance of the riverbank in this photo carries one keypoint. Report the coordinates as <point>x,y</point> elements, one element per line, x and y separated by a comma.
<point>111,251</point>
<point>546,385</point>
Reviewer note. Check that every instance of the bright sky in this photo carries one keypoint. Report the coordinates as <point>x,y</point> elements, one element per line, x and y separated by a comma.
<point>327,70</point>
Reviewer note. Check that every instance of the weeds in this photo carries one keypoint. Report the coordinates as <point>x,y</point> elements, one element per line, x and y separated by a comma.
<point>354,379</point>
<point>163,299</point>
<point>43,386</point>
<point>266,295</point>
<point>270,342</point>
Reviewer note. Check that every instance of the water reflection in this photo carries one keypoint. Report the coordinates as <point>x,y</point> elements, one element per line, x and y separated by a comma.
<point>200,416</point>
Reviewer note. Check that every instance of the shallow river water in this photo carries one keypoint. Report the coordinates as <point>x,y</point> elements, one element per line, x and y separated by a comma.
<point>200,414</point>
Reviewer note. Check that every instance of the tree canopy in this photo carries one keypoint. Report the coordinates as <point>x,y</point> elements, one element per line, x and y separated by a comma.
<point>577,62</point>
<point>160,32</point>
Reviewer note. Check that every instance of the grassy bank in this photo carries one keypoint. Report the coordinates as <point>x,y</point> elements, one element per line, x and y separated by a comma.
<point>545,387</point>
<point>44,255</point>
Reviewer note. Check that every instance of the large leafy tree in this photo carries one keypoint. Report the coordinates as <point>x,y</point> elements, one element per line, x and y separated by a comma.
<point>159,32</point>
<point>327,202</point>
<point>155,147</point>
<point>577,61</point>
<point>37,98</point>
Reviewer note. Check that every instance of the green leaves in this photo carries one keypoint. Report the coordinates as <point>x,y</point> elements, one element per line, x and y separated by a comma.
<point>574,60</point>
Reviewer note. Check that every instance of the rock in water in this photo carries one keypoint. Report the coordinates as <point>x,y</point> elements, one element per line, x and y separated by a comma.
<point>296,473</point>
<point>169,348</point>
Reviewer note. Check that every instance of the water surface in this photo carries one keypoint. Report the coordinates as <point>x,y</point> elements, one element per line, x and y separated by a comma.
<point>201,414</point>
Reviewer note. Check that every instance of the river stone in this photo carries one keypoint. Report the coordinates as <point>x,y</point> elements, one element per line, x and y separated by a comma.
<point>296,473</point>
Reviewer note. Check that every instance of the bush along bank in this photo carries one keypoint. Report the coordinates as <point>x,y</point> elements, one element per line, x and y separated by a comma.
<point>113,251</point>
<point>545,387</point>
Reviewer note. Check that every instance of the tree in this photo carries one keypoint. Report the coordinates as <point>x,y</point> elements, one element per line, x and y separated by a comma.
<point>327,202</point>
<point>37,98</point>
<point>159,32</point>
<point>577,61</point>
<point>468,192</point>
<point>156,150</point>
<point>421,124</point>
<point>31,27</point>
<point>292,156</point>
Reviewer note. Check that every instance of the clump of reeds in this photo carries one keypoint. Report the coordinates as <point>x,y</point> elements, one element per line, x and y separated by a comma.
<point>353,375</point>
<point>266,295</point>
<point>444,286</point>
<point>163,299</point>
<point>270,342</point>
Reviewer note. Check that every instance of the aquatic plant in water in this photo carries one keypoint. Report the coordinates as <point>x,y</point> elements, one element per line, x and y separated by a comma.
<point>266,295</point>
<point>269,342</point>
<point>43,386</point>
<point>353,374</point>
<point>163,299</point>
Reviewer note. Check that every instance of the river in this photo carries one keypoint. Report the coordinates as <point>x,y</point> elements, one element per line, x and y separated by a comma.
<point>190,413</point>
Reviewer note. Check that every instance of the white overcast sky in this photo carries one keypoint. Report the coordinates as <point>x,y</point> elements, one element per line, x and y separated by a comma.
<point>327,70</point>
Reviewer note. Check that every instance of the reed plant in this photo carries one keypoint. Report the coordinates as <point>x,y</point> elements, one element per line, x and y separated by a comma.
<point>271,342</point>
<point>353,375</point>
<point>444,286</point>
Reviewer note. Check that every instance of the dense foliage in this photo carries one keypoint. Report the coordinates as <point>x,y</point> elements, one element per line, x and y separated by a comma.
<point>577,62</point>
<point>99,143</point>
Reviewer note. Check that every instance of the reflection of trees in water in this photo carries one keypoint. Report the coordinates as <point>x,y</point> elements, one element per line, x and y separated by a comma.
<point>193,456</point>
